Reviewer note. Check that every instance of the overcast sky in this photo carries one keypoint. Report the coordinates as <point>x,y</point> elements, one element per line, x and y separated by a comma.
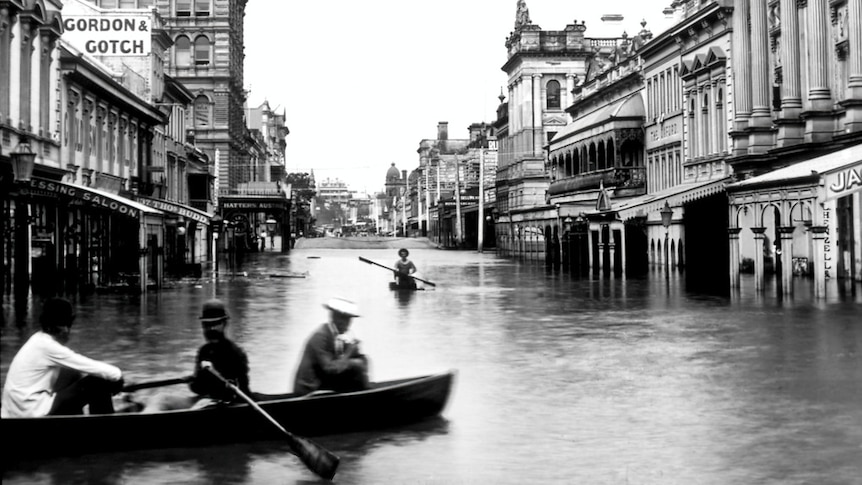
<point>363,82</point>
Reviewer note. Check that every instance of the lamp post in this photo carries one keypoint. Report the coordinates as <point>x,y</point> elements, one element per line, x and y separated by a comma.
<point>666,217</point>
<point>217,221</point>
<point>567,241</point>
<point>23,160</point>
<point>270,227</point>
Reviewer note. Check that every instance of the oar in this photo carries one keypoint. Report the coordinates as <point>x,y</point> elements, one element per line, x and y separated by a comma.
<point>152,384</point>
<point>317,458</point>
<point>393,269</point>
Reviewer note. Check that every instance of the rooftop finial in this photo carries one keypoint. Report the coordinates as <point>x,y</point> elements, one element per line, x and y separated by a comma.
<point>522,16</point>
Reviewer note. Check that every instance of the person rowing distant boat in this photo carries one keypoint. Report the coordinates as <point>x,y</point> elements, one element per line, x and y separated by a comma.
<point>48,378</point>
<point>403,269</point>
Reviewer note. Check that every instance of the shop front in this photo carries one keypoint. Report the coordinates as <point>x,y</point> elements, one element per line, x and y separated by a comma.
<point>800,221</point>
<point>70,238</point>
<point>186,236</point>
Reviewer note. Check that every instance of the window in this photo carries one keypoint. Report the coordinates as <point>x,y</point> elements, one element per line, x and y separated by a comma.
<point>183,50</point>
<point>128,4</point>
<point>202,112</point>
<point>202,51</point>
<point>202,8</point>
<point>109,3</point>
<point>553,94</point>
<point>184,8</point>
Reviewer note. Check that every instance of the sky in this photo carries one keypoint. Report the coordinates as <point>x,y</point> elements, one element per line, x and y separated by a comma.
<point>361,83</point>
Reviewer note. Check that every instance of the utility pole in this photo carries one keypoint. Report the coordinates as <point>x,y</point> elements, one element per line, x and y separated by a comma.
<point>481,233</point>
<point>457,201</point>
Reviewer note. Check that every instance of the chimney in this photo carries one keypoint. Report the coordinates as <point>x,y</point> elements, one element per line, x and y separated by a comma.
<point>443,130</point>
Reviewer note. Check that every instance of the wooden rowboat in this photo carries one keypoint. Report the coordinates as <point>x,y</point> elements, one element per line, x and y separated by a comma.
<point>385,404</point>
<point>396,287</point>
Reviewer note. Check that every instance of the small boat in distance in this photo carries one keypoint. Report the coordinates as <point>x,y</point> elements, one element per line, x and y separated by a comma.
<point>396,287</point>
<point>385,404</point>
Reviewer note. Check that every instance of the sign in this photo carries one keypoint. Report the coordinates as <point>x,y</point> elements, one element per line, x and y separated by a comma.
<point>253,205</point>
<point>175,209</point>
<point>87,197</point>
<point>109,34</point>
<point>843,182</point>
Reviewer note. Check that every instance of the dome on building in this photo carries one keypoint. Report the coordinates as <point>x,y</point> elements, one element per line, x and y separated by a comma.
<point>393,175</point>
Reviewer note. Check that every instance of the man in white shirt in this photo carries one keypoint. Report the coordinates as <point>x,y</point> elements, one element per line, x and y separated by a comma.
<point>31,383</point>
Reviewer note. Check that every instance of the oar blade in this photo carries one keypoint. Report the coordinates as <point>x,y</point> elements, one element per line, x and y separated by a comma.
<point>317,458</point>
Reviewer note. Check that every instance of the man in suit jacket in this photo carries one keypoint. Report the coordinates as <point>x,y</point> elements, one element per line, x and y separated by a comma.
<point>329,361</point>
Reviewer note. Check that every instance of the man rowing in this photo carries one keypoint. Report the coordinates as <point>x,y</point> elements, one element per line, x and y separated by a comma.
<point>48,378</point>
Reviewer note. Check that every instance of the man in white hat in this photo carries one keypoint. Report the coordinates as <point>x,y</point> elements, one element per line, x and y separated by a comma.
<point>330,362</point>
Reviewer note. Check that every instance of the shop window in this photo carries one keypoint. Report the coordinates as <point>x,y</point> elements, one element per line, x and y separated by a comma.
<point>202,51</point>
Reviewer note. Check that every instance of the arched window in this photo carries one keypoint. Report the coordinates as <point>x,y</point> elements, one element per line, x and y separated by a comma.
<point>202,51</point>
<point>202,112</point>
<point>183,51</point>
<point>553,94</point>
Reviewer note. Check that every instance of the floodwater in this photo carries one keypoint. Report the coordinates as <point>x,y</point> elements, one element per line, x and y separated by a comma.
<point>560,379</point>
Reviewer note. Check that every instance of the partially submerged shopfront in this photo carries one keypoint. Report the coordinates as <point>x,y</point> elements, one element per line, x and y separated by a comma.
<point>800,221</point>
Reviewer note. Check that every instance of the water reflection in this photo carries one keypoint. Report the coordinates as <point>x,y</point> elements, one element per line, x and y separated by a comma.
<point>560,380</point>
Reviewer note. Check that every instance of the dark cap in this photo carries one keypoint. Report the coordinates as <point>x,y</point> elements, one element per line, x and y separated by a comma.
<point>213,311</point>
<point>56,312</point>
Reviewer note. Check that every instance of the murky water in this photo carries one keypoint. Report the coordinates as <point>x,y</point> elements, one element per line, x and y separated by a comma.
<point>559,380</point>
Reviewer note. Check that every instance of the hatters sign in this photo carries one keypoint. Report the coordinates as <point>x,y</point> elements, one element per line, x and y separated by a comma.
<point>843,182</point>
<point>109,35</point>
<point>84,195</point>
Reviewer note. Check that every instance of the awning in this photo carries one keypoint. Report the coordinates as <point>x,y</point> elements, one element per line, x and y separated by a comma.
<point>600,121</point>
<point>675,196</point>
<point>841,171</point>
<point>92,197</point>
<point>178,209</point>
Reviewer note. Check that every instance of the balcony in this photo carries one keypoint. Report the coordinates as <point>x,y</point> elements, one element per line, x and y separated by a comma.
<point>630,181</point>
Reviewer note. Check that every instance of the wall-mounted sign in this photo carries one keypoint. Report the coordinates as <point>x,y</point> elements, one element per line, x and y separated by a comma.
<point>843,182</point>
<point>109,35</point>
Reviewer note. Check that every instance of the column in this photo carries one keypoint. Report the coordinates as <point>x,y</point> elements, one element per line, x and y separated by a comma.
<point>527,116</point>
<point>818,122</point>
<point>741,78</point>
<point>758,257</point>
<point>760,137</point>
<point>538,108</point>
<point>601,262</point>
<point>612,246</point>
<point>853,98</point>
<point>733,246</point>
<point>819,233</point>
<point>569,98</point>
<point>786,233</point>
<point>590,247</point>
<point>790,124</point>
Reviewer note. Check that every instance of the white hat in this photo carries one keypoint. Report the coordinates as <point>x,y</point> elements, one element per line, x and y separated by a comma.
<point>341,305</point>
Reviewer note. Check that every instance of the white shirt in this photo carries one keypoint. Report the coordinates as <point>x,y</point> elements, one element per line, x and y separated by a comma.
<point>29,388</point>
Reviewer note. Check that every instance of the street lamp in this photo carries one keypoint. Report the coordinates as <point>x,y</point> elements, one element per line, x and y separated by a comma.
<point>666,216</point>
<point>23,160</point>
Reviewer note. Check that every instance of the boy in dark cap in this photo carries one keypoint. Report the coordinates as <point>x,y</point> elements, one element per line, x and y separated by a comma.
<point>46,377</point>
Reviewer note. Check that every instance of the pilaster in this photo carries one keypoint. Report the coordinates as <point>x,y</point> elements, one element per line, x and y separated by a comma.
<point>853,97</point>
<point>786,234</point>
<point>537,115</point>
<point>819,124</point>
<point>733,246</point>
<point>819,235</point>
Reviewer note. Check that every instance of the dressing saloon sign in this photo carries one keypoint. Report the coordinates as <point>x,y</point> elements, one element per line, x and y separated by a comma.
<point>843,182</point>
<point>109,35</point>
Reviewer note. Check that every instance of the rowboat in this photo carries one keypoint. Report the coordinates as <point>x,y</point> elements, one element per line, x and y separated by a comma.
<point>396,287</point>
<point>385,404</point>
